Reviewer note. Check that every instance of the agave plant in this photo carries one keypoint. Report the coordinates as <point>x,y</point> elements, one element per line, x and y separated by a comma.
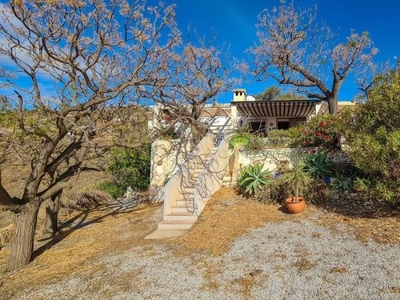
<point>318,165</point>
<point>252,178</point>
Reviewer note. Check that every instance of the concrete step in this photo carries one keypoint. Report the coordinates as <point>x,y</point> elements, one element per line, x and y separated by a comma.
<point>212,152</point>
<point>195,172</point>
<point>182,209</point>
<point>227,179</point>
<point>186,216</point>
<point>192,181</point>
<point>187,196</point>
<point>189,190</point>
<point>177,225</point>
<point>185,202</point>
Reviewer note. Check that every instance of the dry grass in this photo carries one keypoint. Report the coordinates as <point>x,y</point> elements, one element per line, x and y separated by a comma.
<point>228,216</point>
<point>107,230</point>
<point>340,270</point>
<point>246,283</point>
<point>95,233</point>
<point>383,230</point>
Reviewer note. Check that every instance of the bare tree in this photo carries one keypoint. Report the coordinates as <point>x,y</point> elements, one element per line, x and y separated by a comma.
<point>73,60</point>
<point>198,75</point>
<point>296,50</point>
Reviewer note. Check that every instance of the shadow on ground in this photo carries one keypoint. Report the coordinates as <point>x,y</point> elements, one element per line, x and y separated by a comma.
<point>82,220</point>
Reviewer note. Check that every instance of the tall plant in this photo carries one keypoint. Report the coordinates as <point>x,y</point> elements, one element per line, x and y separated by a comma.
<point>298,178</point>
<point>297,50</point>
<point>373,136</point>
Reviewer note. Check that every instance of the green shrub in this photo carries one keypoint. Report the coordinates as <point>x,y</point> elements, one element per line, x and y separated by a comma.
<point>239,140</point>
<point>275,191</point>
<point>256,143</point>
<point>279,138</point>
<point>112,188</point>
<point>128,168</point>
<point>341,184</point>
<point>373,137</point>
<point>361,184</point>
<point>252,179</point>
<point>322,131</point>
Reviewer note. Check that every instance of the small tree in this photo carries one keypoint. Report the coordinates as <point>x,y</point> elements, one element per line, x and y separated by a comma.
<point>274,93</point>
<point>297,178</point>
<point>296,50</point>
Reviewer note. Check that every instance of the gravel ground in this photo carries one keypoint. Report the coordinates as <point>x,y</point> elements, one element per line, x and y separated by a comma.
<point>285,260</point>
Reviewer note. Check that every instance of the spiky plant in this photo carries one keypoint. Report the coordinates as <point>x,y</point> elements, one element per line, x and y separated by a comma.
<point>298,178</point>
<point>252,178</point>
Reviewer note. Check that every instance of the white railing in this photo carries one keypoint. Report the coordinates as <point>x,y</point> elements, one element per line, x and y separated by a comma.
<point>210,180</point>
<point>175,188</point>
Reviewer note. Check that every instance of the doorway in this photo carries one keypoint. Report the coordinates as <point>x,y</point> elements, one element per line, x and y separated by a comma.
<point>283,124</point>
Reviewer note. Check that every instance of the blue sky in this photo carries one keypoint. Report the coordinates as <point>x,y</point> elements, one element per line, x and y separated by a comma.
<point>234,22</point>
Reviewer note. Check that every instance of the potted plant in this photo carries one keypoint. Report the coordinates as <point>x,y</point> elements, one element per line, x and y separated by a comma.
<point>298,179</point>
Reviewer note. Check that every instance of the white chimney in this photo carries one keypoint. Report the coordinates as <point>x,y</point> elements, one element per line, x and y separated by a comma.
<point>239,95</point>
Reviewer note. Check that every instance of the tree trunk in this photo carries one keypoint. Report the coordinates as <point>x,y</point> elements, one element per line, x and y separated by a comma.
<point>333,106</point>
<point>22,244</point>
<point>51,217</point>
<point>197,133</point>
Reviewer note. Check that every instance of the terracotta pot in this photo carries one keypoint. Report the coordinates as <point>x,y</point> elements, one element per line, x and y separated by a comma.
<point>295,206</point>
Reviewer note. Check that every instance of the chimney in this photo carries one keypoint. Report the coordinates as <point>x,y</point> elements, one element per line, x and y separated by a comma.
<point>239,95</point>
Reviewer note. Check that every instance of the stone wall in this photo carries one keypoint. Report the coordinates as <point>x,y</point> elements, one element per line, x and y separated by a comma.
<point>270,157</point>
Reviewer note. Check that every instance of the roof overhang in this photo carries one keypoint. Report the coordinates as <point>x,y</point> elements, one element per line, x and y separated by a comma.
<point>276,108</point>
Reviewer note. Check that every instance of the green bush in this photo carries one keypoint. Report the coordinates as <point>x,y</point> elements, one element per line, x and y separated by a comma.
<point>252,179</point>
<point>112,188</point>
<point>279,138</point>
<point>341,184</point>
<point>373,137</point>
<point>256,143</point>
<point>128,168</point>
<point>239,140</point>
<point>322,131</point>
<point>275,191</point>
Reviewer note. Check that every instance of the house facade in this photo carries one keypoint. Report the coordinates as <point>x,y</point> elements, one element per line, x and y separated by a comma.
<point>261,116</point>
<point>266,115</point>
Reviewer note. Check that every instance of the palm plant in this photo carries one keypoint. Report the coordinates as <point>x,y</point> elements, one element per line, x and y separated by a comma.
<point>298,178</point>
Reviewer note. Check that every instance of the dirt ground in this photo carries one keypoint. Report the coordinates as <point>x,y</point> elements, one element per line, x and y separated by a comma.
<point>116,227</point>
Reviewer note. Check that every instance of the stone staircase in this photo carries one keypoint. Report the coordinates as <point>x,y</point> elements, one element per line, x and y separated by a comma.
<point>183,211</point>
